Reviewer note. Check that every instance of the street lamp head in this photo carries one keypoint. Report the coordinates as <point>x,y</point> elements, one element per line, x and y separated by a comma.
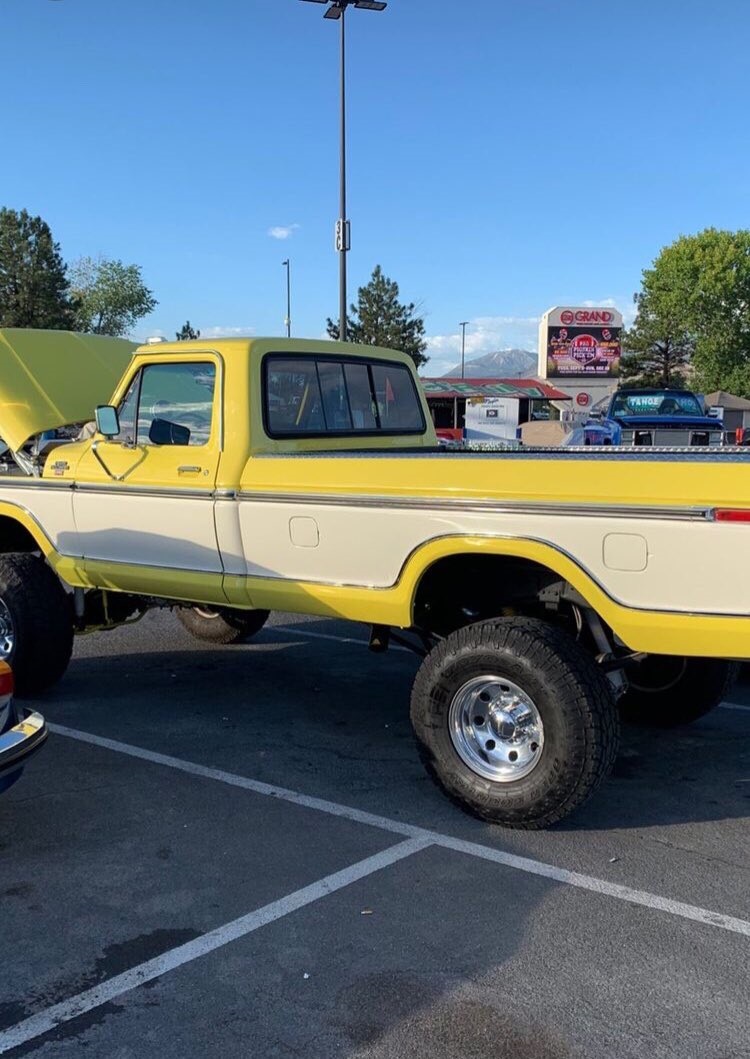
<point>337,7</point>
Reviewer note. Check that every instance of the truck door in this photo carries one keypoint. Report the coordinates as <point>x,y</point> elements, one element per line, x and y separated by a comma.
<point>144,501</point>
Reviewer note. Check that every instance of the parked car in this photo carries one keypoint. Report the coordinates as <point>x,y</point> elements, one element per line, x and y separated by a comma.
<point>660,417</point>
<point>22,732</point>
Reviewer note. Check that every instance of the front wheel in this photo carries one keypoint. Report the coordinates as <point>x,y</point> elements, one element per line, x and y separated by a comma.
<point>515,721</point>
<point>36,622</point>
<point>222,625</point>
<point>665,691</point>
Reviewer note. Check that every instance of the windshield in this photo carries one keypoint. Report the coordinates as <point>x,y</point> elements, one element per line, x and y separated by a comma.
<point>659,403</point>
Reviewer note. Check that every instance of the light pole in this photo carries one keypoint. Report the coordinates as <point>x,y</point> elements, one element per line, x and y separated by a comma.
<point>288,321</point>
<point>337,10</point>
<point>463,326</point>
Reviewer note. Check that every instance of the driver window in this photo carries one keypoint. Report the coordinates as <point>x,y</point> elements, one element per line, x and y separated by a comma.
<point>176,404</point>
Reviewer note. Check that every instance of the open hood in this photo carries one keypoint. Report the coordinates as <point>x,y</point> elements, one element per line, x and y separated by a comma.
<point>50,379</point>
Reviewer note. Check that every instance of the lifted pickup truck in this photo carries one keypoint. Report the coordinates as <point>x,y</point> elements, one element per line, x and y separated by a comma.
<point>541,588</point>
<point>652,417</point>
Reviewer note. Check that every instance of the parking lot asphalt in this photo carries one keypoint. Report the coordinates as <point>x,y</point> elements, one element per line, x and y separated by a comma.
<point>235,852</point>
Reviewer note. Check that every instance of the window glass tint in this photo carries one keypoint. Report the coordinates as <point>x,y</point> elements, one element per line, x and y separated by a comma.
<point>397,400</point>
<point>176,404</point>
<point>360,397</point>
<point>663,403</point>
<point>335,399</point>
<point>127,411</point>
<point>293,400</point>
<point>327,396</point>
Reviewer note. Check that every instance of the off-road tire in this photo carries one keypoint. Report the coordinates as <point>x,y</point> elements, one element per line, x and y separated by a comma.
<point>42,617</point>
<point>222,624</point>
<point>666,700</point>
<point>572,695</point>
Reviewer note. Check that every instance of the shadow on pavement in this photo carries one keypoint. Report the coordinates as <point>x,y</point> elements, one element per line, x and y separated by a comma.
<point>295,711</point>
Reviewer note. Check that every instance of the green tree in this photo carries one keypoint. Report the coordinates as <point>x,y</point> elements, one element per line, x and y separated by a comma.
<point>186,332</point>
<point>380,319</point>
<point>703,281</point>
<point>657,348</point>
<point>110,297</point>
<point>33,281</point>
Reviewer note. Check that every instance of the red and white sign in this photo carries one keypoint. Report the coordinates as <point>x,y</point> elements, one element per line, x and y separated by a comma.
<point>583,400</point>
<point>586,316</point>
<point>578,341</point>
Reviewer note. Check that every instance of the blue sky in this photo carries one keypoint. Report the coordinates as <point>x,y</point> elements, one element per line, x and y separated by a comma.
<point>505,155</point>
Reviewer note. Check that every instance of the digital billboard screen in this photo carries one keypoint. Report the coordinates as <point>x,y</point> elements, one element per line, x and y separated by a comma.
<point>583,351</point>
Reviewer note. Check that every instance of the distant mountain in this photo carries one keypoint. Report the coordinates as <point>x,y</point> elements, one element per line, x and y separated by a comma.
<point>505,364</point>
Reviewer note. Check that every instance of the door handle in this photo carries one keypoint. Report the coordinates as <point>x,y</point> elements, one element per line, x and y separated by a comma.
<point>187,469</point>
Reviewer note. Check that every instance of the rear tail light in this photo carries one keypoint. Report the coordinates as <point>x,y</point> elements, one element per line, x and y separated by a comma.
<point>6,680</point>
<point>731,514</point>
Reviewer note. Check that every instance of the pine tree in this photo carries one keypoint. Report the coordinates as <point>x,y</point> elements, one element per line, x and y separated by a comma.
<point>33,280</point>
<point>380,319</point>
<point>657,349</point>
<point>186,333</point>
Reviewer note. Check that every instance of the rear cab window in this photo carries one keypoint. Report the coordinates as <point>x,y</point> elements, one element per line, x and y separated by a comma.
<point>329,396</point>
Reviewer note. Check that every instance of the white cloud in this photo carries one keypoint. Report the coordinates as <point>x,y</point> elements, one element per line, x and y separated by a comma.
<point>283,231</point>
<point>226,332</point>
<point>490,334</point>
<point>624,305</point>
<point>484,334</point>
<point>206,332</point>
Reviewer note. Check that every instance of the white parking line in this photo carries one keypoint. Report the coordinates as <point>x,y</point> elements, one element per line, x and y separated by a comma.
<point>734,706</point>
<point>508,860</point>
<point>302,633</point>
<point>52,1017</point>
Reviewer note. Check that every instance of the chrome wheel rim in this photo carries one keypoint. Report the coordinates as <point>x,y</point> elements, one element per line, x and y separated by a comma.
<point>7,632</point>
<point>203,612</point>
<point>496,729</point>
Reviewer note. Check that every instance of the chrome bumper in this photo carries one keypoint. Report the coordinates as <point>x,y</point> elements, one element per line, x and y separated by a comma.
<point>17,744</point>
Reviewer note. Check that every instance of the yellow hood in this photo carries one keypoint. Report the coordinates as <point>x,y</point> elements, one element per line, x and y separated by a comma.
<point>50,379</point>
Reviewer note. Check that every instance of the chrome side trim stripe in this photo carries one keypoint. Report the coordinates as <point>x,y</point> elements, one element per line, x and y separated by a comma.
<point>34,484</point>
<point>469,505</point>
<point>483,506</point>
<point>145,490</point>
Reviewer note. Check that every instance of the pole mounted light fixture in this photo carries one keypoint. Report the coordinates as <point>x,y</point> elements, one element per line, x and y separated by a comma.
<point>463,326</point>
<point>336,9</point>
<point>288,319</point>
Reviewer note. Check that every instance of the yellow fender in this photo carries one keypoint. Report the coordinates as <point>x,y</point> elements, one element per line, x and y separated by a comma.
<point>655,632</point>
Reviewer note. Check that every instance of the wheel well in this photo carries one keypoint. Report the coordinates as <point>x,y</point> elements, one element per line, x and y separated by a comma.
<point>14,537</point>
<point>461,589</point>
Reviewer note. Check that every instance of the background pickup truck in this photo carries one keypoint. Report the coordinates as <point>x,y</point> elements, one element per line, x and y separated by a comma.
<point>652,417</point>
<point>229,478</point>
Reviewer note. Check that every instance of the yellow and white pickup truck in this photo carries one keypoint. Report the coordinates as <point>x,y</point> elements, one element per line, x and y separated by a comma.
<point>230,478</point>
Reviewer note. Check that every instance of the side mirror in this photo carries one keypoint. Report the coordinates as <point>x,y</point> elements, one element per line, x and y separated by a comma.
<point>107,421</point>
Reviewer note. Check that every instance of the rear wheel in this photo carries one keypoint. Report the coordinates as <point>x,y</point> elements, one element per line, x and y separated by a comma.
<point>515,721</point>
<point>665,691</point>
<point>223,624</point>
<point>36,622</point>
